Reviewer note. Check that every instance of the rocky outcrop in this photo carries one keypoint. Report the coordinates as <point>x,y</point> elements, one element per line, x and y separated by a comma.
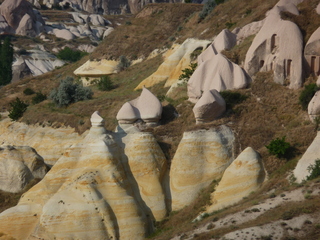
<point>21,17</point>
<point>216,73</point>
<point>248,30</point>
<point>202,157</point>
<point>49,142</point>
<point>278,47</point>
<point>146,107</point>
<point>314,107</point>
<point>95,69</point>
<point>176,59</point>
<point>244,175</point>
<point>18,166</point>
<point>312,53</point>
<point>209,107</point>
<point>309,157</point>
<point>86,195</point>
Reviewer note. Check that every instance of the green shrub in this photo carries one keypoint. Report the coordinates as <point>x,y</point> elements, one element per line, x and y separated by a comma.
<point>307,94</point>
<point>314,170</point>
<point>70,55</point>
<point>123,64</point>
<point>207,8</point>
<point>28,91</point>
<point>69,92</point>
<point>187,72</point>
<point>18,107</point>
<point>39,97</point>
<point>279,147</point>
<point>232,98</point>
<point>105,84</point>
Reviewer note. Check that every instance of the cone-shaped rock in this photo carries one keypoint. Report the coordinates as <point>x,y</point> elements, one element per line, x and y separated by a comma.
<point>244,175</point>
<point>202,156</point>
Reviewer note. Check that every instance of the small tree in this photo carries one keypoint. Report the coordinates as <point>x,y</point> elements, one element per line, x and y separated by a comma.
<point>314,170</point>
<point>307,94</point>
<point>123,64</point>
<point>187,72</point>
<point>18,107</point>
<point>39,97</point>
<point>69,92</point>
<point>207,8</point>
<point>105,84</point>
<point>70,55</point>
<point>279,147</point>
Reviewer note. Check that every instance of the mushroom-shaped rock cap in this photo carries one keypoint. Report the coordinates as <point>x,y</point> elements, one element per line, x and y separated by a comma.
<point>96,119</point>
<point>149,106</point>
<point>128,113</point>
<point>210,106</point>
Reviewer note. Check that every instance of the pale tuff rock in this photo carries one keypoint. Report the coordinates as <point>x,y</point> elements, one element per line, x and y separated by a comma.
<point>86,195</point>
<point>96,119</point>
<point>278,47</point>
<point>318,9</point>
<point>209,107</point>
<point>176,59</point>
<point>18,166</point>
<point>20,70</point>
<point>96,69</point>
<point>145,165</point>
<point>224,41</point>
<point>248,30</point>
<point>312,53</point>
<point>244,175</point>
<point>63,33</point>
<point>21,17</point>
<point>146,107</point>
<point>217,73</point>
<point>50,143</point>
<point>202,156</point>
<point>314,107</point>
<point>4,27</point>
<point>309,157</point>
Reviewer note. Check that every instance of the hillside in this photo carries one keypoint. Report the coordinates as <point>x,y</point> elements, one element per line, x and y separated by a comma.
<point>269,110</point>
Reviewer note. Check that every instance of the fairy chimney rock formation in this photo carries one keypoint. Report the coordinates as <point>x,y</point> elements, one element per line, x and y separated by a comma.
<point>312,53</point>
<point>244,175</point>
<point>146,107</point>
<point>202,156</point>
<point>278,47</point>
<point>216,73</point>
<point>209,107</point>
<point>314,107</point>
<point>96,119</point>
<point>18,166</point>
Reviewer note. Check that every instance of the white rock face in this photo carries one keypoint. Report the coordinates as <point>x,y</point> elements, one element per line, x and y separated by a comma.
<point>278,47</point>
<point>312,53</point>
<point>202,156</point>
<point>100,188</point>
<point>309,157</point>
<point>209,107</point>
<point>146,107</point>
<point>176,59</point>
<point>18,166</point>
<point>216,73</point>
<point>248,30</point>
<point>314,107</point>
<point>244,175</point>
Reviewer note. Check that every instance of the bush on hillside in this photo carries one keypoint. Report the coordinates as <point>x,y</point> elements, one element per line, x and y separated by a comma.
<point>279,147</point>
<point>314,170</point>
<point>18,107</point>
<point>71,55</point>
<point>187,72</point>
<point>69,92</point>
<point>28,91</point>
<point>207,8</point>
<point>307,94</point>
<point>232,98</point>
<point>123,64</point>
<point>38,98</point>
<point>105,84</point>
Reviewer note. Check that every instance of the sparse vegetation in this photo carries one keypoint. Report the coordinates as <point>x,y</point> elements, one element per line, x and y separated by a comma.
<point>123,64</point>
<point>71,55</point>
<point>187,72</point>
<point>314,170</point>
<point>28,91</point>
<point>105,84</point>
<point>233,98</point>
<point>69,92</point>
<point>207,8</point>
<point>39,97</point>
<point>278,147</point>
<point>307,94</point>
<point>18,107</point>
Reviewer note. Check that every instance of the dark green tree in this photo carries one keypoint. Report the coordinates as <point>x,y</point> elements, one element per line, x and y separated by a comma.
<point>6,59</point>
